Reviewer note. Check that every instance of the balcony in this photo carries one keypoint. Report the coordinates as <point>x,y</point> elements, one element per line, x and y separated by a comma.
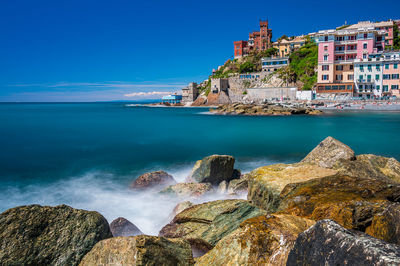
<point>346,42</point>
<point>366,81</point>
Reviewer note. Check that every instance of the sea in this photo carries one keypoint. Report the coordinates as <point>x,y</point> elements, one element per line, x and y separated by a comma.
<point>86,154</point>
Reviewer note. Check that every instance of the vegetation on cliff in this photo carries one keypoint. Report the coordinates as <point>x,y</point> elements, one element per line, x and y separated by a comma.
<point>302,67</point>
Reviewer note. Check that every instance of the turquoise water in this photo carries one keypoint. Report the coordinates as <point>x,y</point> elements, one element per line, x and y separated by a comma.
<point>86,154</point>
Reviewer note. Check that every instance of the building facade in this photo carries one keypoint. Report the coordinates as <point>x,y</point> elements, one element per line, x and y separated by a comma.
<point>258,41</point>
<point>271,64</point>
<point>368,75</point>
<point>172,99</point>
<point>285,47</point>
<point>391,73</point>
<point>337,51</point>
<point>386,26</point>
<point>190,93</point>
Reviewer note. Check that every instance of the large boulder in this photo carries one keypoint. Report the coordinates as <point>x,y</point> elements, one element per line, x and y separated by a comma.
<point>238,186</point>
<point>328,152</point>
<point>205,224</point>
<point>386,224</point>
<point>327,243</point>
<point>153,180</point>
<point>123,227</point>
<point>139,250</point>
<point>214,169</point>
<point>262,240</point>
<point>193,190</point>
<point>350,201</point>
<point>370,165</point>
<point>43,235</point>
<point>266,183</point>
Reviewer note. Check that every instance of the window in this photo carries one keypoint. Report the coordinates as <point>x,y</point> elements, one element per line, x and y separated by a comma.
<point>395,65</point>
<point>351,67</point>
<point>361,68</point>
<point>377,77</point>
<point>365,46</point>
<point>378,88</point>
<point>395,76</point>
<point>386,66</point>
<point>325,77</point>
<point>368,78</point>
<point>325,67</point>
<point>386,76</point>
<point>349,87</point>
<point>339,77</point>
<point>364,56</point>
<point>325,58</point>
<point>350,77</point>
<point>395,87</point>
<point>369,67</point>
<point>339,67</point>
<point>360,77</point>
<point>378,67</point>
<point>325,48</point>
<point>385,88</point>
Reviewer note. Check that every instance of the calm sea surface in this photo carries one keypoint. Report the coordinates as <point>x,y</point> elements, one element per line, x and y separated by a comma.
<point>86,154</point>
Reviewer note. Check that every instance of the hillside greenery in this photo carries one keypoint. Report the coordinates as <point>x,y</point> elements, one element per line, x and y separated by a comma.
<point>302,67</point>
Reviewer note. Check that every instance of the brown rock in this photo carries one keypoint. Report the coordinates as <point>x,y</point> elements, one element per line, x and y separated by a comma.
<point>188,189</point>
<point>386,225</point>
<point>153,180</point>
<point>328,152</point>
<point>262,240</point>
<point>123,227</point>
<point>139,250</point>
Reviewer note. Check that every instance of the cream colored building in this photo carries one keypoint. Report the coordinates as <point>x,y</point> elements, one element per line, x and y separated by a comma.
<point>285,47</point>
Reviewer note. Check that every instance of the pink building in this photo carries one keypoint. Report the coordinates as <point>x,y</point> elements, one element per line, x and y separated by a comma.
<point>337,50</point>
<point>391,73</point>
<point>386,26</point>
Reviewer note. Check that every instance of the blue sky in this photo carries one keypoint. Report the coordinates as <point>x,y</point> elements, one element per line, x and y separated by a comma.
<point>91,50</point>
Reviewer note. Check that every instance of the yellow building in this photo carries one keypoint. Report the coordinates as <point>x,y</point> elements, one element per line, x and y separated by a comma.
<point>285,47</point>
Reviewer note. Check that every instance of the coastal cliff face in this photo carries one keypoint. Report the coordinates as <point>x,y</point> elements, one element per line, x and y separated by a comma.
<point>331,208</point>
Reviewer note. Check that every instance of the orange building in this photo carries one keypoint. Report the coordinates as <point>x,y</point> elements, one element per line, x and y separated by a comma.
<point>258,41</point>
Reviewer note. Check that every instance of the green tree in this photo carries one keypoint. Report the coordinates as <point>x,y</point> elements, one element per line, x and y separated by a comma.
<point>396,36</point>
<point>247,67</point>
<point>283,37</point>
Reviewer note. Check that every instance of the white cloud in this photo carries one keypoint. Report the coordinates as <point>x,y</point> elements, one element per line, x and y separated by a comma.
<point>149,93</point>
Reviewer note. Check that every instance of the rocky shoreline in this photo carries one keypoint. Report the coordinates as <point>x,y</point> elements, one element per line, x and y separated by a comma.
<point>332,208</point>
<point>270,109</point>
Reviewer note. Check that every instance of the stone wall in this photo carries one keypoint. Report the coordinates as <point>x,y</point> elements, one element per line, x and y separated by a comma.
<point>260,94</point>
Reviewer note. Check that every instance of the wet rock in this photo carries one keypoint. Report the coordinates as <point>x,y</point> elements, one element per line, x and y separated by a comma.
<point>328,152</point>
<point>350,201</point>
<point>238,186</point>
<point>193,190</point>
<point>123,227</point>
<point>327,243</point>
<point>266,183</point>
<point>140,250</point>
<point>214,169</point>
<point>386,225</point>
<point>222,187</point>
<point>262,240</point>
<point>205,224</point>
<point>43,235</point>
<point>181,207</point>
<point>153,180</point>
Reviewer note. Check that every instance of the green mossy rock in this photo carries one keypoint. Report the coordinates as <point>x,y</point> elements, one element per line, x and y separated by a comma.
<point>214,169</point>
<point>140,250</point>
<point>205,224</point>
<point>262,240</point>
<point>42,235</point>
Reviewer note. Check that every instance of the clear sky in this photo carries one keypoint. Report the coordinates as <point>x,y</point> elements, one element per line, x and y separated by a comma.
<point>93,50</point>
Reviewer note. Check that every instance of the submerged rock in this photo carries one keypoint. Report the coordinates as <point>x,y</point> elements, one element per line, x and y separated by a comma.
<point>188,189</point>
<point>327,243</point>
<point>328,152</point>
<point>155,179</point>
<point>140,250</point>
<point>214,169</point>
<point>123,227</point>
<point>266,183</point>
<point>262,240</point>
<point>205,224</point>
<point>43,235</point>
